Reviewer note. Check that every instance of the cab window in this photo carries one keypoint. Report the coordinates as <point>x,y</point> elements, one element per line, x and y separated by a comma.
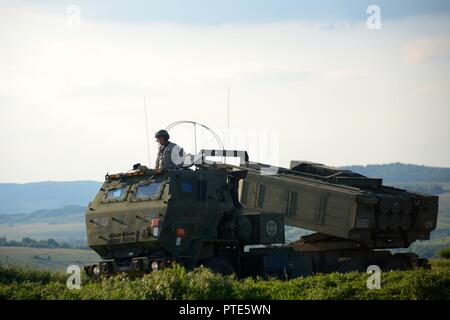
<point>186,187</point>
<point>148,191</point>
<point>116,194</point>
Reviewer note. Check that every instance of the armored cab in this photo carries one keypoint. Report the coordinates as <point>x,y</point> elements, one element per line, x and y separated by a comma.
<point>146,219</point>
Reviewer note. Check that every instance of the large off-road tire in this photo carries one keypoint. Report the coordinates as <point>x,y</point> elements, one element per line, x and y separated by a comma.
<point>218,265</point>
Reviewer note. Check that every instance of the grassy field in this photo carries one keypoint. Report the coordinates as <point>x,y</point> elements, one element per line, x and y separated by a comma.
<point>46,258</point>
<point>177,283</point>
<point>440,264</point>
<point>44,230</point>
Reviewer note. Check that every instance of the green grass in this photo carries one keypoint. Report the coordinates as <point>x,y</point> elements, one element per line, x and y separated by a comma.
<point>177,283</point>
<point>56,259</point>
<point>440,264</point>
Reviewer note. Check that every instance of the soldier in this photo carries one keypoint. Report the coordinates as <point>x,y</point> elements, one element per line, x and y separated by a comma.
<point>170,155</point>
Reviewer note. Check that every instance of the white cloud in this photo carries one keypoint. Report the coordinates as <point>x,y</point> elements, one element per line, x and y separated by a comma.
<point>432,90</point>
<point>71,101</point>
<point>425,49</point>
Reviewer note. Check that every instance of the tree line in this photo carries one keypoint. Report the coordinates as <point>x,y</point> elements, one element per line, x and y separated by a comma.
<point>32,243</point>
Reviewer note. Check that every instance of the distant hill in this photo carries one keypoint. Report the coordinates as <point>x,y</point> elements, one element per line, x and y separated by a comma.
<point>400,172</point>
<point>29,197</point>
<point>66,223</point>
<point>56,259</point>
<point>65,214</point>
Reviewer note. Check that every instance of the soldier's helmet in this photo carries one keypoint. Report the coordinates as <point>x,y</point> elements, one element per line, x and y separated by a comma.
<point>162,133</point>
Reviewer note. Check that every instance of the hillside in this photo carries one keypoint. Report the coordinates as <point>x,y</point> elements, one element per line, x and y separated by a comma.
<point>29,197</point>
<point>56,259</point>
<point>400,172</point>
<point>72,213</point>
<point>65,223</point>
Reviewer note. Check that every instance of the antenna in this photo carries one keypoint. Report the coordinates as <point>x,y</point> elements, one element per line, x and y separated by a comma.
<point>219,142</point>
<point>228,116</point>
<point>195,138</point>
<point>228,120</point>
<point>146,131</point>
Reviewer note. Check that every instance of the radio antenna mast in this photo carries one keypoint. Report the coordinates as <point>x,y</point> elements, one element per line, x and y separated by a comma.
<point>228,120</point>
<point>228,116</point>
<point>146,131</point>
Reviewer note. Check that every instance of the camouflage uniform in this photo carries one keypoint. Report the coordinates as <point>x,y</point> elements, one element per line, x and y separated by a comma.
<point>164,159</point>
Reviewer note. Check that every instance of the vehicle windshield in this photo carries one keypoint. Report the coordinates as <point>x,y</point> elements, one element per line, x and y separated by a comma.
<point>116,194</point>
<point>148,191</point>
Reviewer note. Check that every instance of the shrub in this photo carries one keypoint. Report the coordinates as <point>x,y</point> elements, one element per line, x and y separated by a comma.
<point>177,283</point>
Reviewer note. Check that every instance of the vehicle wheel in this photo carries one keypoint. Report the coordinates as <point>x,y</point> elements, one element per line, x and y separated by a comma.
<point>105,268</point>
<point>137,265</point>
<point>89,270</point>
<point>423,263</point>
<point>218,265</point>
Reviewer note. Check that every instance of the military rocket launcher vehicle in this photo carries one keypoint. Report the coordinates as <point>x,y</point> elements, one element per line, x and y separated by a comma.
<point>231,218</point>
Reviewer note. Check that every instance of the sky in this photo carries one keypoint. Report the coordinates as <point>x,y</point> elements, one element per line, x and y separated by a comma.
<point>307,81</point>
